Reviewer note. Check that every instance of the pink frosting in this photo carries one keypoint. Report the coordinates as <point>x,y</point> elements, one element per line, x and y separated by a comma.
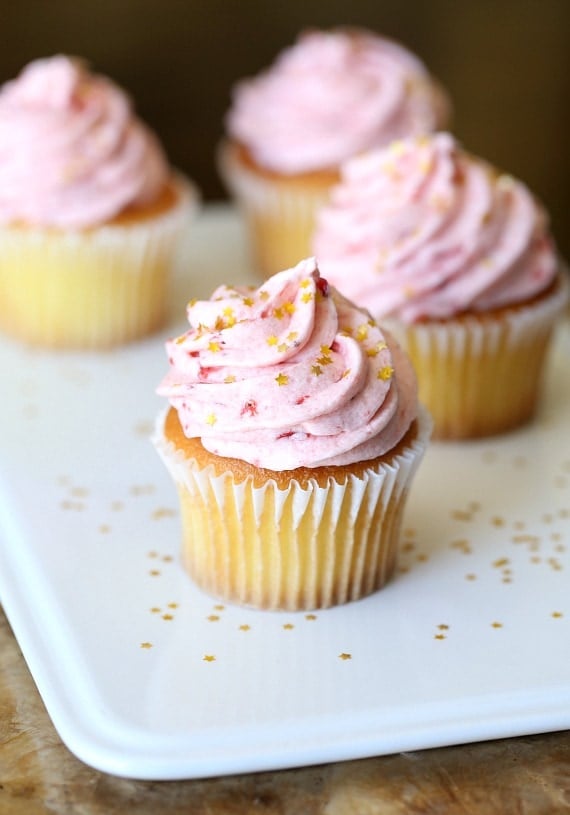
<point>72,154</point>
<point>330,96</point>
<point>289,375</point>
<point>422,229</point>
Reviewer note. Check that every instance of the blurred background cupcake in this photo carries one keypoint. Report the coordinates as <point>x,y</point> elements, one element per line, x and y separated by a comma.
<point>458,260</point>
<point>331,95</point>
<point>293,436</point>
<point>90,211</point>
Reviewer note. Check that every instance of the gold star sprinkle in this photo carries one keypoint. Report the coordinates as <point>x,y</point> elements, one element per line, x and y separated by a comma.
<point>272,340</point>
<point>289,307</point>
<point>557,615</point>
<point>155,610</point>
<point>214,347</point>
<point>154,573</point>
<point>307,297</point>
<point>167,617</point>
<point>470,577</point>
<point>263,295</point>
<point>316,370</point>
<point>460,515</point>
<point>282,379</point>
<point>211,419</point>
<point>439,636</point>
<point>244,627</point>
<point>173,605</point>
<point>344,656</point>
<point>362,332</point>
<point>282,347</point>
<point>310,616</point>
<point>247,301</point>
<point>304,283</point>
<point>385,373</point>
<point>219,608</point>
<point>288,626</point>
<point>292,336</point>
<point>163,512</point>
<point>496,625</point>
<point>375,350</point>
<point>213,618</point>
<point>278,313</point>
<point>229,379</point>
<point>324,360</point>
<point>146,645</point>
<point>209,658</point>
<point>443,627</point>
<point>346,373</point>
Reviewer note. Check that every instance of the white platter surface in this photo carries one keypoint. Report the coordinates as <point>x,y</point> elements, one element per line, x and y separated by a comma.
<point>145,676</point>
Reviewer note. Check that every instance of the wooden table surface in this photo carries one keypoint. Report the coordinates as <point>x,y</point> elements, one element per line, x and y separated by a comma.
<point>39,775</point>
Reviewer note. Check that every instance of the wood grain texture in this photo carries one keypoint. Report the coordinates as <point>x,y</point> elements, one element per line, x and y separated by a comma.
<point>523,776</point>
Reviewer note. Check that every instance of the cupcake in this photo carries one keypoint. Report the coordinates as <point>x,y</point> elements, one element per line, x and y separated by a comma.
<point>328,97</point>
<point>90,211</point>
<point>458,261</point>
<point>292,435</point>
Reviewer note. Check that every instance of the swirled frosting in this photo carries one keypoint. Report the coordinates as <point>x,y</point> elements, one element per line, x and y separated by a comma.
<point>330,96</point>
<point>289,375</point>
<point>72,154</point>
<point>422,229</point>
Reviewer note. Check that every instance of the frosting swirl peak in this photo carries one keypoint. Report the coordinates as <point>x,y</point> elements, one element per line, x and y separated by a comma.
<point>72,154</point>
<point>289,375</point>
<point>422,229</point>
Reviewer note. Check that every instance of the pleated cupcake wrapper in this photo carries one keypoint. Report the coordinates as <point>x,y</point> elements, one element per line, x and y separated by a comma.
<point>295,548</point>
<point>481,376</point>
<point>280,214</point>
<point>90,289</point>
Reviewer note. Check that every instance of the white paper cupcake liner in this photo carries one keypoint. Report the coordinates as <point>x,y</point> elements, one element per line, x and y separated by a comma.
<point>481,375</point>
<point>302,547</point>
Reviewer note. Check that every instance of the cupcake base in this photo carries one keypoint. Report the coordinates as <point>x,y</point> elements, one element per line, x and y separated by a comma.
<point>480,374</point>
<point>279,210</point>
<point>296,540</point>
<point>92,288</point>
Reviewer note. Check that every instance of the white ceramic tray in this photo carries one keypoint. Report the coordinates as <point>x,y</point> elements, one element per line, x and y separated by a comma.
<point>145,676</point>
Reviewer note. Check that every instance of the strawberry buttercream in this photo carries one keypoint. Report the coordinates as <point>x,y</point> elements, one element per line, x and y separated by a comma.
<point>422,229</point>
<point>330,96</point>
<point>289,375</point>
<point>72,153</point>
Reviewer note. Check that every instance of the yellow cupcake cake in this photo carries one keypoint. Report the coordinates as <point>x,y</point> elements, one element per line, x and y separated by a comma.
<point>293,434</point>
<point>330,96</point>
<point>457,260</point>
<point>90,212</point>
